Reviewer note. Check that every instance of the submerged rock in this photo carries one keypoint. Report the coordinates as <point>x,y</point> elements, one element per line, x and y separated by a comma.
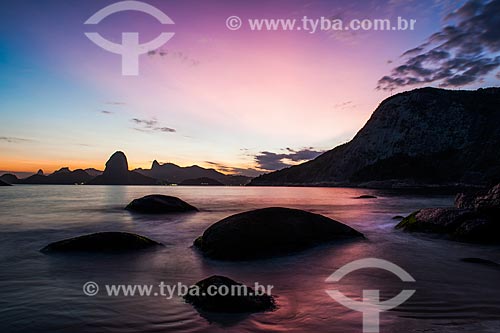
<point>240,298</point>
<point>474,219</point>
<point>480,261</point>
<point>102,242</point>
<point>159,204</point>
<point>366,196</point>
<point>268,232</point>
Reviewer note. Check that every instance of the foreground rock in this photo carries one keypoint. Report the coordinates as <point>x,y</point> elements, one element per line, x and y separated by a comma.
<point>474,219</point>
<point>102,242</point>
<point>159,204</point>
<point>268,232</point>
<point>239,299</point>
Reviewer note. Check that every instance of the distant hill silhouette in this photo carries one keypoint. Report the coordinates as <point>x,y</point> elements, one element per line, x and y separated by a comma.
<point>93,172</point>
<point>2,183</point>
<point>63,176</point>
<point>9,178</point>
<point>425,137</point>
<point>175,174</point>
<point>117,173</point>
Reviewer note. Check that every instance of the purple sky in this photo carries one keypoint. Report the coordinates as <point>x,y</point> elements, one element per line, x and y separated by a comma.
<point>240,101</point>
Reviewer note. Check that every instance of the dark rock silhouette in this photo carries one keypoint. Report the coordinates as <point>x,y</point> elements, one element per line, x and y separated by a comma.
<point>416,138</point>
<point>159,204</point>
<point>40,172</point>
<point>199,296</point>
<point>204,181</point>
<point>117,173</point>
<point>102,242</point>
<point>9,178</point>
<point>474,219</point>
<point>174,174</point>
<point>269,232</point>
<point>2,183</point>
<point>93,172</point>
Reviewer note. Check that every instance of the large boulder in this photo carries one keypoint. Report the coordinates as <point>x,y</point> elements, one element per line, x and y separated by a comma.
<point>240,298</point>
<point>269,232</point>
<point>102,242</point>
<point>475,218</point>
<point>438,220</point>
<point>159,204</point>
<point>482,200</point>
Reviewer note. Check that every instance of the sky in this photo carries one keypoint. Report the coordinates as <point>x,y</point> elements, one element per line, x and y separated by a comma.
<point>241,101</point>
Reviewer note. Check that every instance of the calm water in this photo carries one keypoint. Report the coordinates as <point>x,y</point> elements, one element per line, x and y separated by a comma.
<point>41,293</point>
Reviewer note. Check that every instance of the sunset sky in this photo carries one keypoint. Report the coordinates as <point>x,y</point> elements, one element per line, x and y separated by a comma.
<point>240,101</point>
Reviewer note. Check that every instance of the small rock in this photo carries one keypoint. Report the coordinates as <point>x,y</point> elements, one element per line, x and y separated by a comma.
<point>102,242</point>
<point>159,204</point>
<point>366,196</point>
<point>480,261</point>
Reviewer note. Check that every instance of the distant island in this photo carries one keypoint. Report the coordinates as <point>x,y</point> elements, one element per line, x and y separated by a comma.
<point>118,173</point>
<point>420,138</point>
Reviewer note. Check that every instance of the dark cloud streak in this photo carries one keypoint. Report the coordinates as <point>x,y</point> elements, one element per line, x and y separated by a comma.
<point>151,125</point>
<point>275,161</point>
<point>12,139</point>
<point>461,53</point>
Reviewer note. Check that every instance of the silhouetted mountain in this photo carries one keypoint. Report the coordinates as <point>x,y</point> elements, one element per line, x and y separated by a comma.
<point>2,183</point>
<point>175,174</point>
<point>421,137</point>
<point>93,172</point>
<point>9,178</point>
<point>202,181</point>
<point>63,176</point>
<point>117,173</point>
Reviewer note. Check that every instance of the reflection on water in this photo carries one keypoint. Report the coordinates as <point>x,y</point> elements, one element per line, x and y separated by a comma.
<point>42,293</point>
